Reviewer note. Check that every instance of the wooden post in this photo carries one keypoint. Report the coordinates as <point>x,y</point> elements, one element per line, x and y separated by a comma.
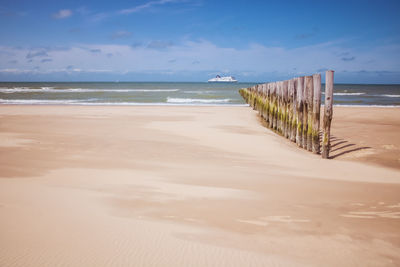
<point>316,113</point>
<point>253,98</point>
<point>278,102</point>
<point>256,98</point>
<point>300,108</point>
<point>294,110</point>
<point>271,105</point>
<point>259,99</point>
<point>328,112</point>
<point>265,102</point>
<point>280,107</point>
<point>310,90</point>
<point>276,106</point>
<point>305,114</point>
<point>290,109</point>
<point>262,100</point>
<point>284,108</point>
<point>266,112</point>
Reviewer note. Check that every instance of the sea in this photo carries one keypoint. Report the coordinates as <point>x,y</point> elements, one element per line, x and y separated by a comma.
<point>172,93</point>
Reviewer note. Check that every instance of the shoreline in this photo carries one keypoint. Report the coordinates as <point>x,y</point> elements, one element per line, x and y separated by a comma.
<point>122,104</point>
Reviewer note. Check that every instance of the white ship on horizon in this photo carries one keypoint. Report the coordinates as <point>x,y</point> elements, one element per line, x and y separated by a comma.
<point>219,79</point>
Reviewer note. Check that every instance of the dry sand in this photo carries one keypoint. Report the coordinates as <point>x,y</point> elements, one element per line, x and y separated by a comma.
<point>194,186</point>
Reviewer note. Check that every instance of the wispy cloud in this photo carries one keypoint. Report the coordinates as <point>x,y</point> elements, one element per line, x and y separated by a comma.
<point>307,35</point>
<point>137,44</point>
<point>98,17</point>
<point>62,14</point>
<point>147,6</point>
<point>159,44</point>
<point>83,10</point>
<point>46,60</point>
<point>348,58</point>
<point>120,34</point>
<point>95,50</point>
<point>32,54</point>
<point>94,16</point>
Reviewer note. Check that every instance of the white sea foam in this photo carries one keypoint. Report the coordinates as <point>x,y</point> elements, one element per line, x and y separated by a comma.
<point>193,100</point>
<point>388,95</point>
<point>77,90</point>
<point>348,93</point>
<point>38,101</point>
<point>199,92</point>
<point>85,103</point>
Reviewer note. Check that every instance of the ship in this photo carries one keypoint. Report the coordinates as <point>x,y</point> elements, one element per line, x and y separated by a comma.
<point>219,79</point>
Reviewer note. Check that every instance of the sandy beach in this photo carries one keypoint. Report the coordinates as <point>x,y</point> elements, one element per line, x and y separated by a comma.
<point>194,186</point>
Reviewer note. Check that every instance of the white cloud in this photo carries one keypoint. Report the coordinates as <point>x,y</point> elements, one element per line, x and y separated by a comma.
<point>207,58</point>
<point>146,6</point>
<point>62,14</point>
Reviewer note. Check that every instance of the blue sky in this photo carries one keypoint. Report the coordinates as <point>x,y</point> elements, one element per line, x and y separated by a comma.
<point>193,40</point>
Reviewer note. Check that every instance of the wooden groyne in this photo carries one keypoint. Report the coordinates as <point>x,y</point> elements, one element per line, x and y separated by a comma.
<point>292,109</point>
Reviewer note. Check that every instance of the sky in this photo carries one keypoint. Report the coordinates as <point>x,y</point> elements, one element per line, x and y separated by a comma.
<point>194,40</point>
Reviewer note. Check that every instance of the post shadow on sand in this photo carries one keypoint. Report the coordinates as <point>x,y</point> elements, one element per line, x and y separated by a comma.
<point>340,147</point>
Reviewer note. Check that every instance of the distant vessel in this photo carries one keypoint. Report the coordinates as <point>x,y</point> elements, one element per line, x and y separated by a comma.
<point>219,79</point>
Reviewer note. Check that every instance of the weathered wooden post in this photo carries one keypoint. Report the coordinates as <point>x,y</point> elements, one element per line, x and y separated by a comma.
<point>294,110</point>
<point>263,101</point>
<point>271,105</point>
<point>284,108</point>
<point>280,88</point>
<point>300,108</point>
<point>310,92</point>
<point>250,96</point>
<point>290,109</point>
<point>259,99</point>
<point>288,112</point>
<point>253,90</point>
<point>275,106</point>
<point>328,112</point>
<point>305,113</point>
<point>266,112</point>
<point>257,93</point>
<point>316,113</point>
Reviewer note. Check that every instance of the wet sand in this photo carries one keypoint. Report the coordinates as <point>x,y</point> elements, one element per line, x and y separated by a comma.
<point>194,186</point>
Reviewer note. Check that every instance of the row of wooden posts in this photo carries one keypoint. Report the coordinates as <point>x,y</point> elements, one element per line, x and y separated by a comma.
<point>292,109</point>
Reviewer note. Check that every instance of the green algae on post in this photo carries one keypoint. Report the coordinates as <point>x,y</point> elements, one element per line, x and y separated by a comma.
<point>292,109</point>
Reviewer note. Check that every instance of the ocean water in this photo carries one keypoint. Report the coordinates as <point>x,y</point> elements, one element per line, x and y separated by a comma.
<point>172,93</point>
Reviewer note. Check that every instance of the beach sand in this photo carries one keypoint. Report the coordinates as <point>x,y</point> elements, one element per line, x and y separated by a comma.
<point>194,186</point>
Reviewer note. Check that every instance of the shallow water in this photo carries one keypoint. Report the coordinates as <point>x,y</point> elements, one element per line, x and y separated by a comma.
<point>169,93</point>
